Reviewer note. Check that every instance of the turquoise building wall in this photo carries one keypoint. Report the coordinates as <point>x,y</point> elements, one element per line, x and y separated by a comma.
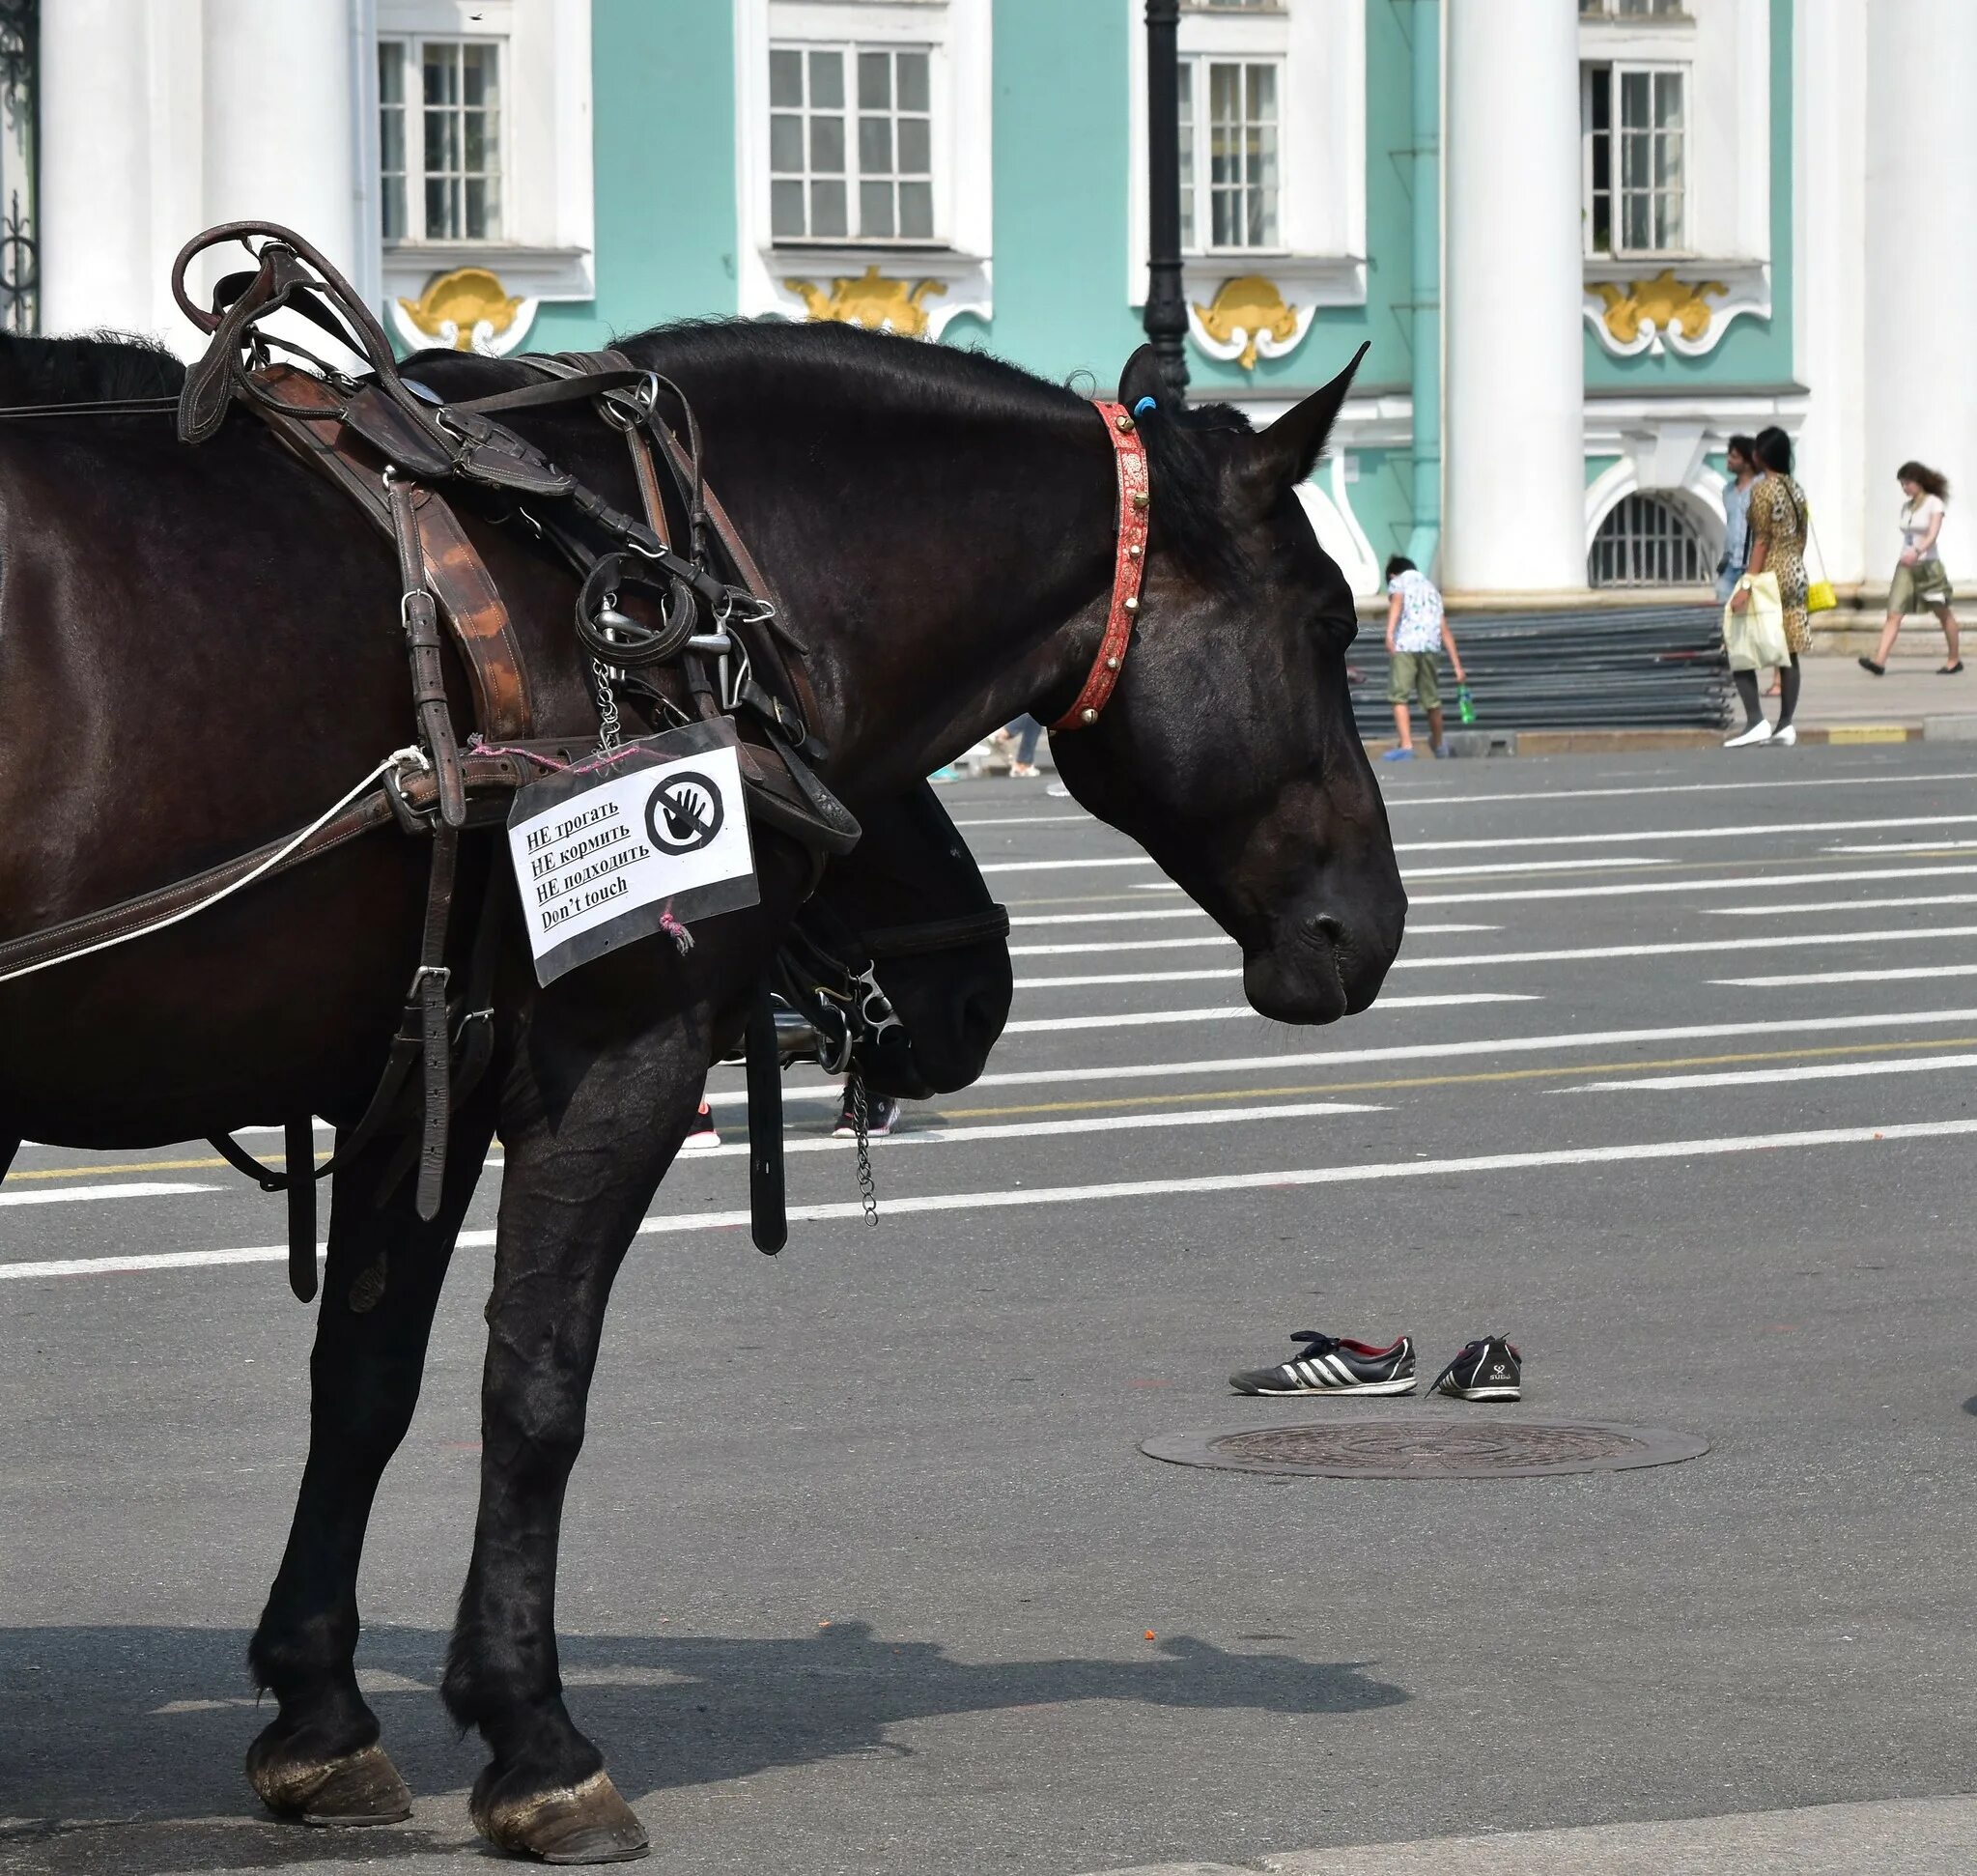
<point>667,223</point>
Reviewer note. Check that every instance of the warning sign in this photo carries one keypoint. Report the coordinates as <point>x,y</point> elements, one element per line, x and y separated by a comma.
<point>603,851</point>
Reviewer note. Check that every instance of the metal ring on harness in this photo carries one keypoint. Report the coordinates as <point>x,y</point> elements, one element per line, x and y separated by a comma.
<point>616,637</point>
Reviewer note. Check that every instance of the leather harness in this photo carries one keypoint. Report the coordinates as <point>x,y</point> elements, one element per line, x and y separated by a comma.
<point>383,443</point>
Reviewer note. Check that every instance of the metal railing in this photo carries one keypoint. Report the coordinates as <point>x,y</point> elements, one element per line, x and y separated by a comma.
<point>1658,666</point>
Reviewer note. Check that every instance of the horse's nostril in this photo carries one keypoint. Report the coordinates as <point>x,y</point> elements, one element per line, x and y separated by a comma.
<point>1327,927</point>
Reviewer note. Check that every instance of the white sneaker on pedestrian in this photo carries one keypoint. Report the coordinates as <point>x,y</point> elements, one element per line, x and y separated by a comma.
<point>1758,733</point>
<point>1785,738</point>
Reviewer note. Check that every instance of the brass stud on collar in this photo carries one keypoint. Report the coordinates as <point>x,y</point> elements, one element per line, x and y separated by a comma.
<point>1133,552</point>
<point>1132,602</point>
<point>1123,421</point>
<point>1087,716</point>
<point>1140,498</point>
<point>1111,664</point>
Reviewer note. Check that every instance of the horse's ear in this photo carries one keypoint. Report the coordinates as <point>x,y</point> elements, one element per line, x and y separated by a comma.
<point>1141,379</point>
<point>1287,451</point>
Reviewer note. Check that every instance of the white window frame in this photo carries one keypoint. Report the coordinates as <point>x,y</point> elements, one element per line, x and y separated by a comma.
<point>852,109</point>
<point>959,40</point>
<point>1725,46</point>
<point>548,206</point>
<point>412,108</point>
<point>1612,74</point>
<point>1198,137</point>
<point>1320,256</point>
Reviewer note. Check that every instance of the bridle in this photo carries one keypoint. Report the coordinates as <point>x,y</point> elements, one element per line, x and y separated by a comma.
<point>833,1006</point>
<point>1129,564</point>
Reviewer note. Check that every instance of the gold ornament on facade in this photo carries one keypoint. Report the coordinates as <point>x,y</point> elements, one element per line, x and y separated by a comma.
<point>456,308</point>
<point>1252,306</point>
<point>873,300</point>
<point>1664,302</point>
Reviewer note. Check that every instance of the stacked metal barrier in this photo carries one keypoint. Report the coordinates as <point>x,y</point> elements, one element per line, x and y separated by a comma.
<point>1648,668</point>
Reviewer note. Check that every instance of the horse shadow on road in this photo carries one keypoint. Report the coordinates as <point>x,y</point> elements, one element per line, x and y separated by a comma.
<point>120,1747</point>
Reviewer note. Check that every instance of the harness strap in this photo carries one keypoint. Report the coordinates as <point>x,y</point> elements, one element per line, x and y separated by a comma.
<point>1129,568</point>
<point>419,613</point>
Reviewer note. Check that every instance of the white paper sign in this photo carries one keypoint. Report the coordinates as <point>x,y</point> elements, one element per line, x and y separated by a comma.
<point>601,857</point>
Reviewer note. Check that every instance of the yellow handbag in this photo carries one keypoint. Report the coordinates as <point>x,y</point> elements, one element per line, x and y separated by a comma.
<point>1819,596</point>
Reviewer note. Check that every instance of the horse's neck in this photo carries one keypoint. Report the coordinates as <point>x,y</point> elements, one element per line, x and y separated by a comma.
<point>942,582</point>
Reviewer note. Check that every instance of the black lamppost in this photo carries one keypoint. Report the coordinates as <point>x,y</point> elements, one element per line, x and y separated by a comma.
<point>1167,310</point>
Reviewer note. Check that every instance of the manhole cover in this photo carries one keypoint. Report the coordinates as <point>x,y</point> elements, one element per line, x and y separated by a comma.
<point>1431,1448</point>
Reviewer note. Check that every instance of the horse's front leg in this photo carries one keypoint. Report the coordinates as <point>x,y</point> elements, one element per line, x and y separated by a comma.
<point>590,1124</point>
<point>320,1760</point>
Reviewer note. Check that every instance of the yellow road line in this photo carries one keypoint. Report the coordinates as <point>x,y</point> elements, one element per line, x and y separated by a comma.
<point>1201,1096</point>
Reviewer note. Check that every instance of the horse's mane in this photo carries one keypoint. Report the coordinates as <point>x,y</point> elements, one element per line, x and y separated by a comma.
<point>85,369</point>
<point>877,374</point>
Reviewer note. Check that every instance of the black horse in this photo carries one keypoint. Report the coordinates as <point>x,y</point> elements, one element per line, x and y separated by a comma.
<point>200,650</point>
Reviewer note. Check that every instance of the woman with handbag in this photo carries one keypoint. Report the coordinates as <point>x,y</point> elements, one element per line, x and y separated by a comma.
<point>1777,562</point>
<point>1919,578</point>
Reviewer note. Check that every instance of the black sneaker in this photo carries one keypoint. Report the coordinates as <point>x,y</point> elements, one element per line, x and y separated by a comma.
<point>1489,1369</point>
<point>1330,1366</point>
<point>882,1115</point>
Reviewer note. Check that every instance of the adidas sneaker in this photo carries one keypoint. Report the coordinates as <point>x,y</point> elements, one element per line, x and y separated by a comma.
<point>1331,1366</point>
<point>1489,1369</point>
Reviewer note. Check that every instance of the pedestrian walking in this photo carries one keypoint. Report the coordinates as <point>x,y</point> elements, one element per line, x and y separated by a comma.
<point>1741,456</point>
<point>1920,580</point>
<point>1777,547</point>
<point>1417,630</point>
<point>1026,730</point>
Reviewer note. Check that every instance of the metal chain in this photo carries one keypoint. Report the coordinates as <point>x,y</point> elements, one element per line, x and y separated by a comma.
<point>867,1187</point>
<point>606,708</point>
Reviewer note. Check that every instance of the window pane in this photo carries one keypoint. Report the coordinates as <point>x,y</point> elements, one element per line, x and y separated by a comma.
<point>1261,90</point>
<point>1668,99</point>
<point>480,76</point>
<point>827,81</point>
<point>1225,229</point>
<point>912,68</point>
<point>827,146</point>
<point>1635,228</point>
<point>874,80</point>
<point>442,220</point>
<point>1633,162</point>
<point>786,141</point>
<point>787,209</point>
<point>917,210</point>
<point>827,208</point>
<point>786,78</point>
<point>483,208</point>
<point>391,72</point>
<point>478,141</point>
<point>1633,101</point>
<point>875,211</point>
<point>916,146</point>
<point>391,204</point>
<point>442,74</point>
<point>875,145</point>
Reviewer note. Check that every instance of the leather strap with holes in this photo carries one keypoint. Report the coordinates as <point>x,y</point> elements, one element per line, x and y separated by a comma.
<point>1129,568</point>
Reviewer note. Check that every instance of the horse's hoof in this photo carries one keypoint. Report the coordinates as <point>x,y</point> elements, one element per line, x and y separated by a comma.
<point>586,1823</point>
<point>361,1787</point>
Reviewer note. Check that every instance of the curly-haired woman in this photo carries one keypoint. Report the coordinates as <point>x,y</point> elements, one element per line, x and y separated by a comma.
<point>1919,578</point>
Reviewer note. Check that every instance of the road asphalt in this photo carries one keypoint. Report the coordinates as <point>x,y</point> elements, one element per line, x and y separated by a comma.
<point>865,1573</point>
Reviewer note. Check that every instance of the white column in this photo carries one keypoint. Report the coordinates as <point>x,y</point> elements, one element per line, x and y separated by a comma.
<point>96,244</point>
<point>279,131</point>
<point>1515,395</point>
<point>1919,270</point>
<point>1828,296</point>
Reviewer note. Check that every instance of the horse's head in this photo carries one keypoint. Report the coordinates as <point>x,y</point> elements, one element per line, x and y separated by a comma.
<point>911,897</point>
<point>1228,750</point>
